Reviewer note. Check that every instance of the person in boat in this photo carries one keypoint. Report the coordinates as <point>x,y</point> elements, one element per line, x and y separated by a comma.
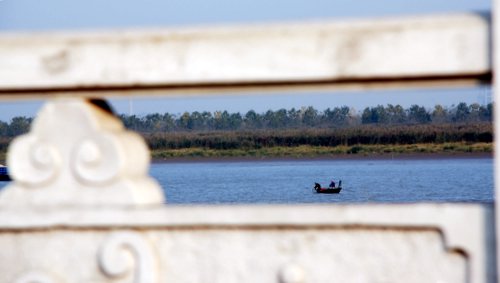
<point>317,186</point>
<point>332,184</point>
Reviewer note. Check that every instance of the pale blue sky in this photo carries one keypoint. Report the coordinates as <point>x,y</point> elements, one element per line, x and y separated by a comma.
<point>36,15</point>
<point>90,14</point>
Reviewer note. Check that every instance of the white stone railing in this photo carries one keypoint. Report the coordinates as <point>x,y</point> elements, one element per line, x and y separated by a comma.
<point>432,50</point>
<point>82,208</point>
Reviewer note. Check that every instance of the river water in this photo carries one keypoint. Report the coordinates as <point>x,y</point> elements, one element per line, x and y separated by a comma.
<point>380,181</point>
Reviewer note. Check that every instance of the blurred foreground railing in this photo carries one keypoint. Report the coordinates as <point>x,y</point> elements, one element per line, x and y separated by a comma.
<point>82,208</point>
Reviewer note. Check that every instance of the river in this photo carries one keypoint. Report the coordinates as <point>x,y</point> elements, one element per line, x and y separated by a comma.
<point>380,181</point>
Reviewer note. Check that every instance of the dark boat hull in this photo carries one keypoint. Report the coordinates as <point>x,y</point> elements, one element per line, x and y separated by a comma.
<point>328,190</point>
<point>5,178</point>
<point>4,174</point>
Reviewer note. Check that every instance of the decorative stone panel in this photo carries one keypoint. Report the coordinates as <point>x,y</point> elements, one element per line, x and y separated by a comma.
<point>79,154</point>
<point>199,244</point>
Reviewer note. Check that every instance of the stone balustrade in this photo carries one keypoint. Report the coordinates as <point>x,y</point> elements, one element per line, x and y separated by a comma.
<point>82,207</point>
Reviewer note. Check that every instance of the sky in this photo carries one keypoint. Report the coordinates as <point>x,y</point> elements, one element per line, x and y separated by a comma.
<point>47,15</point>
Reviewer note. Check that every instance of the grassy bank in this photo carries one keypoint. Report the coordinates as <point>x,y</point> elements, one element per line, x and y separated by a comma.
<point>323,137</point>
<point>308,151</point>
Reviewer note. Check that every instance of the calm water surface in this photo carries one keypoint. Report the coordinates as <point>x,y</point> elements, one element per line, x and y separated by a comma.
<point>429,180</point>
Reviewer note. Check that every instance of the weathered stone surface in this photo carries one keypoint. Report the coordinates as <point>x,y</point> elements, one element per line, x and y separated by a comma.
<point>449,46</point>
<point>246,255</point>
<point>347,243</point>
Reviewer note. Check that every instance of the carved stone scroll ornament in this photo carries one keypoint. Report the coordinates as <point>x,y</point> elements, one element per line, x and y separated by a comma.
<point>79,154</point>
<point>126,254</point>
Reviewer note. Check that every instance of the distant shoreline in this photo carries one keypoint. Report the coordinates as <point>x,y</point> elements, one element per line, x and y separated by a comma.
<point>340,157</point>
<point>307,152</point>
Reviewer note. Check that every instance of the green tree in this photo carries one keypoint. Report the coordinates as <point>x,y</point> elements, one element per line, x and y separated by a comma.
<point>277,119</point>
<point>132,122</point>
<point>196,121</point>
<point>294,118</point>
<point>168,122</point>
<point>461,112</point>
<point>184,121</point>
<point>418,115</point>
<point>235,121</point>
<point>221,120</point>
<point>486,112</point>
<point>154,122</point>
<point>366,117</point>
<point>474,112</point>
<point>4,128</point>
<point>309,116</point>
<point>439,114</point>
<point>18,126</point>
<point>253,120</point>
<point>208,120</point>
<point>395,114</point>
<point>374,115</point>
<point>338,116</point>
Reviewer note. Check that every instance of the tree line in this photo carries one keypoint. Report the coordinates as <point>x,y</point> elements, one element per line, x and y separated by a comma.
<point>306,117</point>
<point>309,117</point>
<point>16,126</point>
<point>339,126</point>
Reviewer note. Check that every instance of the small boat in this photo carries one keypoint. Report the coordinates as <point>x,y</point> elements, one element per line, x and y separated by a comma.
<point>4,174</point>
<point>329,190</point>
